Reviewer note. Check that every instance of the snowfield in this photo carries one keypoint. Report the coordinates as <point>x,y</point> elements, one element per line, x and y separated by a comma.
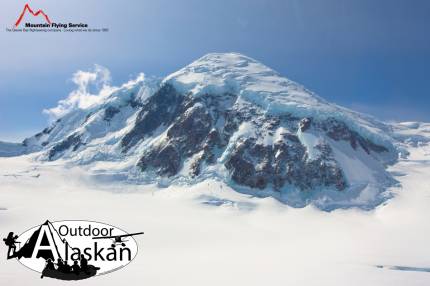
<point>208,234</point>
<point>237,176</point>
<point>224,116</point>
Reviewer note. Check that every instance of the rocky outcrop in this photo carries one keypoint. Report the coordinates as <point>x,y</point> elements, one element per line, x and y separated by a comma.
<point>72,142</point>
<point>338,130</point>
<point>285,162</point>
<point>201,129</point>
<point>110,112</point>
<point>160,109</point>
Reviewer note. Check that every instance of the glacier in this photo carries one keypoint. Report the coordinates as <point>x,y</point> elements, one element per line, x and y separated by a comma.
<point>230,118</point>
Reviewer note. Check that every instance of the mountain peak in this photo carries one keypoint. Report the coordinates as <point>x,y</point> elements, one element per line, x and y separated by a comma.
<point>225,70</point>
<point>265,88</point>
<point>239,74</point>
<point>230,60</point>
<point>226,58</point>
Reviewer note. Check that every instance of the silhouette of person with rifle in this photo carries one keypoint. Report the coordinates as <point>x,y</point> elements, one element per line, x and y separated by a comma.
<point>10,241</point>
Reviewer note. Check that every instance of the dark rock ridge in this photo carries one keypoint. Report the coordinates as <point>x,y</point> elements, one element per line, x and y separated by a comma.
<point>161,108</point>
<point>202,128</point>
<point>71,142</point>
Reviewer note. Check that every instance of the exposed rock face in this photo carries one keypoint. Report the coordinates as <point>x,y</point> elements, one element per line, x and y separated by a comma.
<point>338,130</point>
<point>193,131</point>
<point>304,124</point>
<point>161,108</point>
<point>202,128</point>
<point>110,113</point>
<point>226,115</point>
<point>73,141</point>
<point>256,166</point>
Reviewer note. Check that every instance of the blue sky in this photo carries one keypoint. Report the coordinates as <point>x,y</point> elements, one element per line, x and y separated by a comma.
<point>372,56</point>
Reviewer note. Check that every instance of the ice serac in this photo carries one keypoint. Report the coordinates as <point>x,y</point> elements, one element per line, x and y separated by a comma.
<point>230,117</point>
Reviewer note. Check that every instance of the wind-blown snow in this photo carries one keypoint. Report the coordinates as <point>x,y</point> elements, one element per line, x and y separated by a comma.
<point>92,88</point>
<point>84,113</point>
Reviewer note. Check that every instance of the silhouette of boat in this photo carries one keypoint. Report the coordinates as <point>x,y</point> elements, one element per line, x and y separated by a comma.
<point>54,273</point>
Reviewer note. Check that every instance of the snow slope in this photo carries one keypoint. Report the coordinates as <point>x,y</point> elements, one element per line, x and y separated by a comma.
<point>206,234</point>
<point>261,85</point>
<point>229,117</point>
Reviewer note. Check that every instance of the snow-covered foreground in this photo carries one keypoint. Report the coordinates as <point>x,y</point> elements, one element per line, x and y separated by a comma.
<point>210,235</point>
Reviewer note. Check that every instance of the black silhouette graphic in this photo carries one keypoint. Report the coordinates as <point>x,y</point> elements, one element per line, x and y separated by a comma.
<point>118,239</point>
<point>67,267</point>
<point>60,270</point>
<point>11,242</point>
<point>60,265</point>
<point>26,250</point>
<point>63,271</point>
<point>50,264</point>
<point>45,242</point>
<point>84,264</point>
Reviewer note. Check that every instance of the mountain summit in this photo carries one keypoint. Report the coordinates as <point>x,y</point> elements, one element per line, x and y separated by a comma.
<point>230,117</point>
<point>237,74</point>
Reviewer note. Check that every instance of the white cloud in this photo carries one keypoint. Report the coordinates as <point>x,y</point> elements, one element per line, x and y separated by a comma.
<point>92,88</point>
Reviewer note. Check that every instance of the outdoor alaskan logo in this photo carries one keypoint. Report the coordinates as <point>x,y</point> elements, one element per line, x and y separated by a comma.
<point>72,249</point>
<point>37,20</point>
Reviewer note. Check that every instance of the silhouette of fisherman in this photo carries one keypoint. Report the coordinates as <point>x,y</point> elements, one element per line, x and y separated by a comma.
<point>75,267</point>
<point>84,264</point>
<point>10,241</point>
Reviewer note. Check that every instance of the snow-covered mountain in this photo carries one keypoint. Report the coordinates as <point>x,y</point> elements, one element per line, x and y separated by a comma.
<point>230,117</point>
